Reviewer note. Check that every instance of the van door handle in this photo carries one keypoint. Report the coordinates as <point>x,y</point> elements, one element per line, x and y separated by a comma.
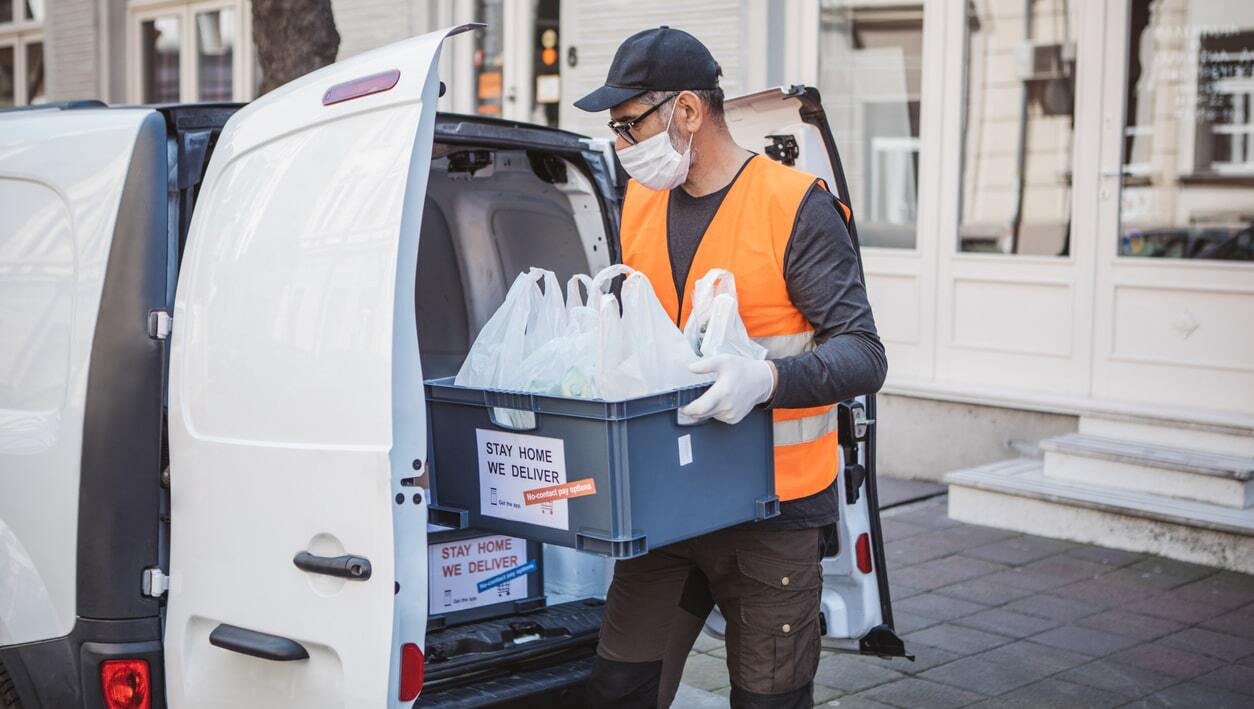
<point>353,568</point>
<point>257,644</point>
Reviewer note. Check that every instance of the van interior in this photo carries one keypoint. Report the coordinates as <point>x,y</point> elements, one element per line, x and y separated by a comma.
<point>491,214</point>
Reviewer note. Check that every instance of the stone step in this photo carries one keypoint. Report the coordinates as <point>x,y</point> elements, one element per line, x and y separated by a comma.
<point>1233,437</point>
<point>1016,495</point>
<point>1203,476</point>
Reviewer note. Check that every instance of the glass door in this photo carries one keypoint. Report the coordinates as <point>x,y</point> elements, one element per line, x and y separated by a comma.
<point>1176,206</point>
<point>1015,291</point>
<point>516,64</point>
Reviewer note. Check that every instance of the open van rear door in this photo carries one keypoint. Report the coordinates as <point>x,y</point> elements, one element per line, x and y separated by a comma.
<point>789,126</point>
<point>297,426</point>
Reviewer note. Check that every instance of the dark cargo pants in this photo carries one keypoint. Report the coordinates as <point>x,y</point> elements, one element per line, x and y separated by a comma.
<point>766,582</point>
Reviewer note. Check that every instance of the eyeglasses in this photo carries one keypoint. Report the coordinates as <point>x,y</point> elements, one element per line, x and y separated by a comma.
<point>624,128</point>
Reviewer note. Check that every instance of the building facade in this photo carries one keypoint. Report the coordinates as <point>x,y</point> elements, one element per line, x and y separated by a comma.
<point>1055,201</point>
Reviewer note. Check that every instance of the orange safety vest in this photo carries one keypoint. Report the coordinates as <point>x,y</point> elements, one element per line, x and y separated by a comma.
<point>749,237</point>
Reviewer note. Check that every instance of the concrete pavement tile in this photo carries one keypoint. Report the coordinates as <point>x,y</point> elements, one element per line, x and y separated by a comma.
<point>896,529</point>
<point>1234,678</point>
<point>1004,622</point>
<point>849,677</point>
<point>916,550</point>
<point>983,591</point>
<point>898,491</point>
<point>956,638</point>
<point>1130,681</point>
<point>1031,581</point>
<point>1043,659</point>
<point>1067,567</point>
<point>1090,642</point>
<point>1223,590</point>
<point>1166,660</point>
<point>970,536</point>
<point>1020,550</point>
<point>1169,572</point>
<point>1051,692</point>
<point>914,692</point>
<point>1114,558</point>
<point>706,672</point>
<point>857,701</point>
<point>1210,642</point>
<point>943,572</point>
<point>901,591</point>
<point>1166,606</point>
<point>1190,694</point>
<point>909,622</point>
<point>933,514</point>
<point>932,605</point>
<point>689,696</point>
<point>897,664</point>
<point>823,694</point>
<point>1238,622</point>
<point>979,675</point>
<point>1105,594</point>
<point>1065,610</point>
<point>925,658</point>
<point>1133,625</point>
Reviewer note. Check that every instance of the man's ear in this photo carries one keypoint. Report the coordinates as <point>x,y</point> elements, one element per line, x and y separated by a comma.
<point>691,112</point>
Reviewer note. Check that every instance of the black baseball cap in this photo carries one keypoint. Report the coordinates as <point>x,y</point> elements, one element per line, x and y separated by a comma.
<point>661,59</point>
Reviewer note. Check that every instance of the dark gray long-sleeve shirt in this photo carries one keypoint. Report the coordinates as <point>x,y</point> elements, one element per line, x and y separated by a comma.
<point>821,270</point>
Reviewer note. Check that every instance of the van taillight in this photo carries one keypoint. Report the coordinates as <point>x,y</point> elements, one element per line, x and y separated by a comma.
<point>411,672</point>
<point>125,684</point>
<point>864,553</point>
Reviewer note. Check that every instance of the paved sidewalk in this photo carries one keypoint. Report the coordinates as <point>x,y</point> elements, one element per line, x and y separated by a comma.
<point>1001,619</point>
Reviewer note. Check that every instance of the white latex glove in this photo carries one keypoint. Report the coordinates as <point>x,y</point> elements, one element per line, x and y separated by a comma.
<point>739,385</point>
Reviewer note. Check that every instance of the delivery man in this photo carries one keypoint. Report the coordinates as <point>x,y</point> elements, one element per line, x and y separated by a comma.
<point>697,201</point>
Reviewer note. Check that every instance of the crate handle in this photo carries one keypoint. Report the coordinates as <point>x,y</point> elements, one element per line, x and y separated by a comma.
<point>513,419</point>
<point>682,420</point>
<point>682,398</point>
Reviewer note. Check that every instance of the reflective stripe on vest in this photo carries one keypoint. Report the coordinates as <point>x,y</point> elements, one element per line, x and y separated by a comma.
<point>748,236</point>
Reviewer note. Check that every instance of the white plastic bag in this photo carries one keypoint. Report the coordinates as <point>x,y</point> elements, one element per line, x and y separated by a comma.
<point>523,324</point>
<point>656,344</point>
<point>600,347</point>
<point>714,327</point>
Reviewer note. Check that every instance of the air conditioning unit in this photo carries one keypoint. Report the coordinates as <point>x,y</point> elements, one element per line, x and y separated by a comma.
<point>1042,61</point>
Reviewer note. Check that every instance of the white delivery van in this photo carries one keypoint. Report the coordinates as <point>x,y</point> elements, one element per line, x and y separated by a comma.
<point>215,322</point>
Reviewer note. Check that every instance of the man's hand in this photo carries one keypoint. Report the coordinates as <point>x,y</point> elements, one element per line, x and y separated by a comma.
<point>740,384</point>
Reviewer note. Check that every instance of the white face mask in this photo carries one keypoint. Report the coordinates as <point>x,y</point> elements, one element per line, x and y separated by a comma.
<point>655,163</point>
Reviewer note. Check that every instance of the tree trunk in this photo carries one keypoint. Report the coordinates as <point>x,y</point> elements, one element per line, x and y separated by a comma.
<point>292,37</point>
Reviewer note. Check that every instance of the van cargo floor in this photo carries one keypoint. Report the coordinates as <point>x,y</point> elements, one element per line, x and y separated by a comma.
<point>531,650</point>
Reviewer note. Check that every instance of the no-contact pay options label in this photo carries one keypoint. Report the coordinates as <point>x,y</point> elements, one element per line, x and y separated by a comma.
<point>511,465</point>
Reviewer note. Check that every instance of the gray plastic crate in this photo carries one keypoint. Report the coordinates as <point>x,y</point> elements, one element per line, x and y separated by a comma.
<point>656,481</point>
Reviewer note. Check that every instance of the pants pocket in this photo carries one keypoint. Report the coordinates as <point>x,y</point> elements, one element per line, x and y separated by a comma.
<point>777,648</point>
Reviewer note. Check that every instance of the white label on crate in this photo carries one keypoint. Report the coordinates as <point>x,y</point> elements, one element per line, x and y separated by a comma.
<point>458,568</point>
<point>685,449</point>
<point>510,464</point>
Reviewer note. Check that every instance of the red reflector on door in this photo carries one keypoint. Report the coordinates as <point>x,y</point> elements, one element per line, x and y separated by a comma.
<point>863,548</point>
<point>411,672</point>
<point>366,85</point>
<point>125,684</point>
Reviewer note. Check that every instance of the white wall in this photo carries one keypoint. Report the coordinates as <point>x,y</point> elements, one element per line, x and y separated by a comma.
<point>595,28</point>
